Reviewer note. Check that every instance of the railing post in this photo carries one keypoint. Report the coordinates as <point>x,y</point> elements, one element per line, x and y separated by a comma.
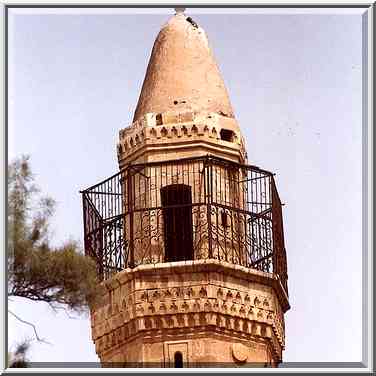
<point>209,195</point>
<point>100,255</point>
<point>84,212</point>
<point>279,251</point>
<point>275,229</point>
<point>93,224</point>
<point>131,219</point>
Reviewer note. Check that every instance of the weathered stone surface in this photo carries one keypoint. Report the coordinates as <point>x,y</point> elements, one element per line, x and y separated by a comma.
<point>209,311</point>
<point>180,135</point>
<point>240,321</point>
<point>184,109</point>
<point>182,73</point>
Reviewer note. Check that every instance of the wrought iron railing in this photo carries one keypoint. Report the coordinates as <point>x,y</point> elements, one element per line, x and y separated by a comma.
<point>196,208</point>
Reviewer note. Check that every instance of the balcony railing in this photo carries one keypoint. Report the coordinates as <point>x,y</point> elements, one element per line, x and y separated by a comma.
<point>188,209</point>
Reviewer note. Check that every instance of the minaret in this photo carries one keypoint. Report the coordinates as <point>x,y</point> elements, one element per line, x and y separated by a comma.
<point>184,109</point>
<point>187,237</point>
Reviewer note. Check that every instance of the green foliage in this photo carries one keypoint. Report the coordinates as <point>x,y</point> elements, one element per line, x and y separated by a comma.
<point>18,358</point>
<point>37,270</point>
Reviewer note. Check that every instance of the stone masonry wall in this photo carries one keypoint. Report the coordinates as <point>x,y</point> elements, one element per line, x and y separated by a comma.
<point>213,312</point>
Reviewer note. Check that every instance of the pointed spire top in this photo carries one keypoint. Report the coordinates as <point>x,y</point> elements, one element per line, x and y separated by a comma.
<point>182,73</point>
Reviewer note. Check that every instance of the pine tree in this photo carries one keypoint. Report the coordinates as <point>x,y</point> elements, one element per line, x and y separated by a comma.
<point>60,276</point>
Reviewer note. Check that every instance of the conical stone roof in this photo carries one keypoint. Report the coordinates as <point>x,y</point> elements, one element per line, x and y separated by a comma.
<point>182,73</point>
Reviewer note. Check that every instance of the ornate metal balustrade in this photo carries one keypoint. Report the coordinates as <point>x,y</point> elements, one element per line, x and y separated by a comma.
<point>197,208</point>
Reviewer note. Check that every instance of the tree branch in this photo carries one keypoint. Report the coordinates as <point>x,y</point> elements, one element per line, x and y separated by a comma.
<point>56,308</point>
<point>32,325</point>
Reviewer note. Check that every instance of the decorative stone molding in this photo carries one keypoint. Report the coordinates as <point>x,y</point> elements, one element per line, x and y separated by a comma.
<point>224,273</point>
<point>179,130</point>
<point>153,327</point>
<point>240,352</point>
<point>189,296</point>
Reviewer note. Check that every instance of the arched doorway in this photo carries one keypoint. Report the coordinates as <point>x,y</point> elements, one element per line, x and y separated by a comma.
<point>178,360</point>
<point>178,226</point>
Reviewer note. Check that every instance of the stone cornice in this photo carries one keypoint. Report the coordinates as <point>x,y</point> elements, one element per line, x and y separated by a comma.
<point>210,265</point>
<point>187,325</point>
<point>181,130</point>
<point>145,150</point>
<point>187,296</point>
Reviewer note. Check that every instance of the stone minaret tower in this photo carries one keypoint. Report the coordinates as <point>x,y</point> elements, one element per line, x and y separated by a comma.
<point>187,237</point>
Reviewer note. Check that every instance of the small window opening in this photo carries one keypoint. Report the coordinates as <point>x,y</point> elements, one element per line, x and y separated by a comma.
<point>176,102</point>
<point>178,360</point>
<point>227,135</point>
<point>158,119</point>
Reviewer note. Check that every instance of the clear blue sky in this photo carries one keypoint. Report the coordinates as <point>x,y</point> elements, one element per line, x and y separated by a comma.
<point>294,80</point>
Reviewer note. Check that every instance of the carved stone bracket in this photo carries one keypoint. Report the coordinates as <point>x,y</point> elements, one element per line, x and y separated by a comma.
<point>139,302</point>
<point>178,128</point>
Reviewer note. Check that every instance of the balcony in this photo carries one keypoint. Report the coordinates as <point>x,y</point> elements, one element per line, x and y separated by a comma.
<point>188,209</point>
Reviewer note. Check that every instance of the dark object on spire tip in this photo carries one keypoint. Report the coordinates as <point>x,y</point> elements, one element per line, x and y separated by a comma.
<point>193,23</point>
